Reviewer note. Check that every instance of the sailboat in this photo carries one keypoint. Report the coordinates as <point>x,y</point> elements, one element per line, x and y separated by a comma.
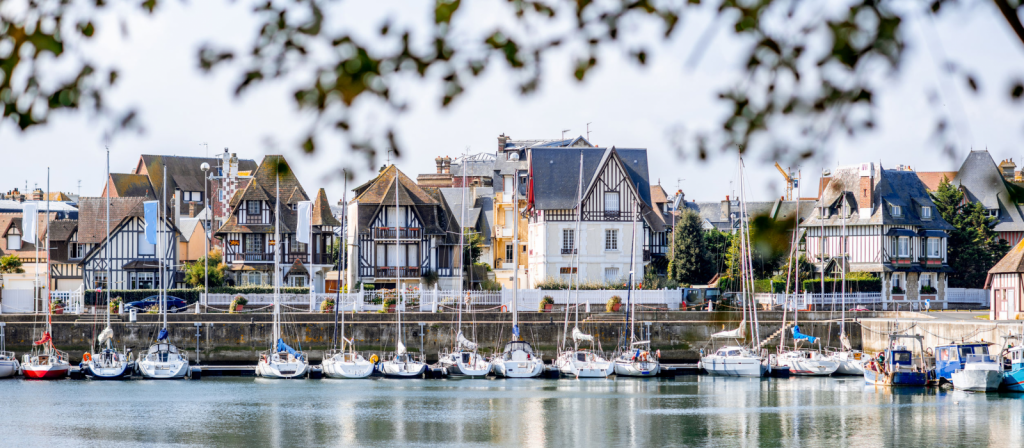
<point>45,362</point>
<point>580,362</point>
<point>8,362</point>
<point>163,360</point>
<point>280,360</point>
<point>635,358</point>
<point>402,364</point>
<point>851,362</point>
<point>107,363</point>
<point>343,361</point>
<point>517,359</point>
<point>739,360</point>
<point>462,360</point>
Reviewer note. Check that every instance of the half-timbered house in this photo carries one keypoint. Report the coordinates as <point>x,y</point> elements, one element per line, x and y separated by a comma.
<point>1005,283</point>
<point>992,186</point>
<point>400,242</point>
<point>134,262</point>
<point>892,229</point>
<point>65,255</point>
<point>616,193</point>
<point>248,233</point>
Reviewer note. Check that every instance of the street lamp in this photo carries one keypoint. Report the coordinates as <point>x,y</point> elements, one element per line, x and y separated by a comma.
<point>206,237</point>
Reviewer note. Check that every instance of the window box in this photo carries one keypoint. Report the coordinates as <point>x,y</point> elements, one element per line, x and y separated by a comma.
<point>929,297</point>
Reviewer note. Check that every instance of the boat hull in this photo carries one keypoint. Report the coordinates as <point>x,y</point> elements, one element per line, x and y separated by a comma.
<point>746,367</point>
<point>107,373</point>
<point>849,364</point>
<point>637,369</point>
<point>8,368</point>
<point>476,368</point>
<point>281,371</point>
<point>517,369</point>
<point>162,370</point>
<point>810,367</point>
<point>977,380</point>
<point>402,370</point>
<point>347,370</point>
<point>913,379</point>
<point>54,372</point>
<point>1013,381</point>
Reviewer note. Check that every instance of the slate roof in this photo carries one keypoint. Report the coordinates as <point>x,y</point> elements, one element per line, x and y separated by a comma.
<point>480,213</point>
<point>61,229</point>
<point>129,185</point>
<point>381,191</point>
<point>478,165</point>
<point>981,181</point>
<point>92,220</point>
<point>273,175</point>
<point>322,215</point>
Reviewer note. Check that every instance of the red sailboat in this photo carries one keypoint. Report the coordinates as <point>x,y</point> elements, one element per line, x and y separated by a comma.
<point>46,362</point>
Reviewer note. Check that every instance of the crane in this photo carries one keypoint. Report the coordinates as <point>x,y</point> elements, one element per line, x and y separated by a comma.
<point>789,181</point>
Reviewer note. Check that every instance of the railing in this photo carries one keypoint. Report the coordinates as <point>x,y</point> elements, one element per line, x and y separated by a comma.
<point>384,233</point>
<point>74,301</point>
<point>966,295</point>
<point>568,251</point>
<point>394,272</point>
<point>25,301</point>
<point>851,300</point>
<point>254,219</point>
<point>607,216</point>
<point>248,257</point>
<point>317,258</point>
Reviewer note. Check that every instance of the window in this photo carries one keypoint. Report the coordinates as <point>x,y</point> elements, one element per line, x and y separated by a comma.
<point>143,280</point>
<point>295,246</point>
<point>926,280</point>
<point>903,247</point>
<point>897,211</point>
<point>508,186</point>
<point>252,279</point>
<point>192,196</point>
<point>824,212</point>
<point>926,212</point>
<point>509,219</point>
<point>220,195</point>
<point>897,280</point>
<point>252,207</point>
<point>13,242</point>
<point>297,281</point>
<point>568,240</point>
<point>993,212</point>
<point>253,244</point>
<point>611,239</point>
<point>566,270</point>
<point>145,248</point>
<point>74,250</point>
<point>508,253</point>
<point>933,248</point>
<point>611,202</point>
<point>100,280</point>
<point>611,274</point>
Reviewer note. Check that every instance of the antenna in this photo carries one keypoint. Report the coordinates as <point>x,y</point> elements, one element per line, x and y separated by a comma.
<point>207,145</point>
<point>588,130</point>
<point>79,188</point>
<point>563,133</point>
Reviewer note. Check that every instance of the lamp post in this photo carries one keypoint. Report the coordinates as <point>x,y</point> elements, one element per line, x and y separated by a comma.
<point>206,238</point>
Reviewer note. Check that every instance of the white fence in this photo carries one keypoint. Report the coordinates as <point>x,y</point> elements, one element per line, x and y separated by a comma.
<point>25,301</point>
<point>860,299</point>
<point>979,297</point>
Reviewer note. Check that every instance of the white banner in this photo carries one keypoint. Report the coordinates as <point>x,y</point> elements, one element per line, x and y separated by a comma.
<point>29,223</point>
<point>305,217</point>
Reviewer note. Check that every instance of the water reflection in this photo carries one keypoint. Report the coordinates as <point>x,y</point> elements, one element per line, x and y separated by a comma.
<point>692,410</point>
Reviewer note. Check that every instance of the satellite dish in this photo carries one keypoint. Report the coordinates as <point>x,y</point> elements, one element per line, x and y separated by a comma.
<point>514,157</point>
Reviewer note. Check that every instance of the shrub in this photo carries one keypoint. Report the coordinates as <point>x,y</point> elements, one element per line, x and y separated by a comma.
<point>547,300</point>
<point>327,305</point>
<point>610,306</point>
<point>115,304</point>
<point>239,300</point>
<point>928,290</point>
<point>898,290</point>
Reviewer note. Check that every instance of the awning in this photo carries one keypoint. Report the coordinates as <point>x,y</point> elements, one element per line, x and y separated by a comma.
<point>934,233</point>
<point>900,232</point>
<point>140,265</point>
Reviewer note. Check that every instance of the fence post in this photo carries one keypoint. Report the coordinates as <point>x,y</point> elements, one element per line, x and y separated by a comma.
<point>433,306</point>
<point>362,299</point>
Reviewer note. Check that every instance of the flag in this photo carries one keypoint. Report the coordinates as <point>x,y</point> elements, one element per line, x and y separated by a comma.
<point>29,222</point>
<point>305,216</point>
<point>151,208</point>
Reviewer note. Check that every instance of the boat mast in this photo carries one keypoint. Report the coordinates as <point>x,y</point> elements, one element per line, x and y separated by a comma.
<point>632,270</point>
<point>341,246</point>
<point>575,273</point>
<point>49,324</point>
<point>277,246</point>
<point>398,265</point>
<point>515,254</point>
<point>160,251</point>
<point>462,249</point>
<point>107,246</point>
<point>842,291</point>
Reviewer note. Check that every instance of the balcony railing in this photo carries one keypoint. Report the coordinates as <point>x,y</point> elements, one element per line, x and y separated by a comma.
<point>931,261</point>
<point>607,216</point>
<point>395,272</point>
<point>384,233</point>
<point>568,251</point>
<point>901,261</point>
<point>253,257</point>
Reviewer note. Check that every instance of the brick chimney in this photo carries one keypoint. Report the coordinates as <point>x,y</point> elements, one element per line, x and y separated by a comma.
<point>440,164</point>
<point>726,208</point>
<point>865,190</point>
<point>502,139</point>
<point>446,165</point>
<point>191,209</point>
<point>37,194</point>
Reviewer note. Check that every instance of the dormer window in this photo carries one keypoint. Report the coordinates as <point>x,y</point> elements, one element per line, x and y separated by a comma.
<point>993,212</point>
<point>13,240</point>
<point>926,212</point>
<point>824,212</point>
<point>896,210</point>
<point>252,207</point>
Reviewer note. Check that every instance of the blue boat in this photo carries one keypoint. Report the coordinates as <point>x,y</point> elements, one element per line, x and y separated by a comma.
<point>952,357</point>
<point>895,367</point>
<point>1013,379</point>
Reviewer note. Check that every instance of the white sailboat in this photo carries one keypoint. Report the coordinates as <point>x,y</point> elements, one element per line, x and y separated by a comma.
<point>108,363</point>
<point>580,362</point>
<point>401,364</point>
<point>636,357</point>
<point>343,361</point>
<point>851,362</point>
<point>280,361</point>
<point>517,359</point>
<point>739,360</point>
<point>9,364</point>
<point>163,360</point>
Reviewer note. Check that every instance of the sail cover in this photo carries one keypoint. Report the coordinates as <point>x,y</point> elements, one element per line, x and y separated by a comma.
<point>105,335</point>
<point>578,335</point>
<point>738,333</point>
<point>515,332</point>
<point>45,339</point>
<point>400,348</point>
<point>163,335</point>
<point>282,347</point>
<point>845,340</point>
<point>797,335</point>
<point>465,343</point>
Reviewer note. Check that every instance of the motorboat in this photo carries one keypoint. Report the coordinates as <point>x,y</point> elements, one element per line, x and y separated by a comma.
<point>734,361</point>
<point>808,363</point>
<point>968,366</point>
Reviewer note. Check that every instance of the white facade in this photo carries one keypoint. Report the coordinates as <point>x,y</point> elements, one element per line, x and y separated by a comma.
<point>604,250</point>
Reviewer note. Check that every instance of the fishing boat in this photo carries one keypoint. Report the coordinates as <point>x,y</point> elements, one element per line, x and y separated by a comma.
<point>1013,378</point>
<point>107,363</point>
<point>342,360</point>
<point>163,360</point>
<point>280,361</point>
<point>896,366</point>
<point>401,363</point>
<point>45,362</point>
<point>517,359</point>
<point>968,366</point>
<point>8,362</point>
<point>579,361</point>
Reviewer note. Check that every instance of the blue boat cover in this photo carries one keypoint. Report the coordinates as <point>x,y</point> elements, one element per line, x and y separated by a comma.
<point>163,335</point>
<point>798,335</point>
<point>282,347</point>
<point>515,332</point>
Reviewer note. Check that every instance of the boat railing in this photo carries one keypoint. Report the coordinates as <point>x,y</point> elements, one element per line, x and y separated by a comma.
<point>980,358</point>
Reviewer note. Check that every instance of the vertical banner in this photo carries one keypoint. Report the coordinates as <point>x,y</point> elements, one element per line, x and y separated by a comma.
<point>29,223</point>
<point>305,217</point>
<point>151,208</point>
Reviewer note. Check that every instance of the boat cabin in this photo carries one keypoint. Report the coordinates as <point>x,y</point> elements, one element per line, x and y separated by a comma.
<point>901,357</point>
<point>517,348</point>
<point>952,357</point>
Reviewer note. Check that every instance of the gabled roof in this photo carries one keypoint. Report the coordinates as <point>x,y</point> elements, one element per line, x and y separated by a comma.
<point>1012,262</point>
<point>131,185</point>
<point>981,181</point>
<point>322,211</point>
<point>273,175</point>
<point>92,216</point>
<point>381,190</point>
<point>62,229</point>
<point>9,220</point>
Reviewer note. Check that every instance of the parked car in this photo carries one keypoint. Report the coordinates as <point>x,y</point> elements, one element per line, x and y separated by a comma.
<point>174,304</point>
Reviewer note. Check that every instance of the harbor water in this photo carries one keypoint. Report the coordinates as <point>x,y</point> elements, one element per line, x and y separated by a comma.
<point>681,411</point>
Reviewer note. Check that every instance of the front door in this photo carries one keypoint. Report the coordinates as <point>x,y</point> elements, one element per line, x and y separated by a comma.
<point>1001,304</point>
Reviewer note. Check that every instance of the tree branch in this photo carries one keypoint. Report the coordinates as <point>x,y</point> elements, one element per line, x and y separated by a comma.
<point>1010,13</point>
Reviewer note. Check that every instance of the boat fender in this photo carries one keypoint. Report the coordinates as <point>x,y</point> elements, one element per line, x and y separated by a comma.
<point>658,353</point>
<point>86,357</point>
<point>374,359</point>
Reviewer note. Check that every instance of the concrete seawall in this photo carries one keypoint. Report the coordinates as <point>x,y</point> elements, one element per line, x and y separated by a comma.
<point>237,338</point>
<point>875,332</point>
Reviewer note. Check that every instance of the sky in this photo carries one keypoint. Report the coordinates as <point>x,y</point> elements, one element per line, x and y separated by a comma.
<point>185,112</point>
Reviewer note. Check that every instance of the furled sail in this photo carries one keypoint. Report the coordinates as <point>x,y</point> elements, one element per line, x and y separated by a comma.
<point>797,335</point>
<point>578,335</point>
<point>465,343</point>
<point>738,333</point>
<point>282,347</point>
<point>845,340</point>
<point>400,348</point>
<point>163,335</point>
<point>105,335</point>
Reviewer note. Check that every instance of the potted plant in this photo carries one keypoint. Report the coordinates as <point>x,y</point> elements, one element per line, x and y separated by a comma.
<point>327,306</point>
<point>613,305</point>
<point>115,305</point>
<point>546,304</point>
<point>56,307</point>
<point>238,304</point>
<point>897,290</point>
<point>928,290</point>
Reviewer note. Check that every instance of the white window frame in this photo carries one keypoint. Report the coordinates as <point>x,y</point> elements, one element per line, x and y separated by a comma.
<point>144,247</point>
<point>903,246</point>
<point>508,185</point>
<point>297,281</point>
<point>611,239</point>
<point>614,270</point>
<point>99,280</point>
<point>568,239</point>
<point>74,250</point>
<point>926,212</point>
<point>921,281</point>
<point>612,207</point>
<point>14,242</point>
<point>896,210</point>
<point>936,244</point>
<point>138,277</point>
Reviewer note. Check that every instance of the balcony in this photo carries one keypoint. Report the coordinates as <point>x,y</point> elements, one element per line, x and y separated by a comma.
<point>607,216</point>
<point>254,219</point>
<point>404,233</point>
<point>395,272</point>
<point>251,257</point>
<point>568,251</point>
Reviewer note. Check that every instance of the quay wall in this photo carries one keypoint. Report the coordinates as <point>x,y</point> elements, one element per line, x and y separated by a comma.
<point>238,338</point>
<point>875,332</point>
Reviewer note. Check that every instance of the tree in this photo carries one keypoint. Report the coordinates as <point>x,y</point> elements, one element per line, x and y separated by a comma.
<point>811,69</point>
<point>687,257</point>
<point>716,248</point>
<point>974,247</point>
<point>474,246</point>
<point>195,272</point>
<point>10,264</point>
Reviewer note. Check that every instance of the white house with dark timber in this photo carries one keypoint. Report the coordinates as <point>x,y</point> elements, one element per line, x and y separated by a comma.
<point>133,261</point>
<point>892,229</point>
<point>616,193</point>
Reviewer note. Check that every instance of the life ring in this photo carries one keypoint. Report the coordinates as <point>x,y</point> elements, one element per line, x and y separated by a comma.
<point>86,357</point>
<point>504,308</point>
<point>374,359</point>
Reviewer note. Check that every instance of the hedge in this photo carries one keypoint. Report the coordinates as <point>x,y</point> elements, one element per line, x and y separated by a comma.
<point>835,285</point>
<point>191,295</point>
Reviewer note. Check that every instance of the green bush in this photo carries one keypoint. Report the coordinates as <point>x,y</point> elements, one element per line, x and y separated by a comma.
<point>191,295</point>
<point>547,300</point>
